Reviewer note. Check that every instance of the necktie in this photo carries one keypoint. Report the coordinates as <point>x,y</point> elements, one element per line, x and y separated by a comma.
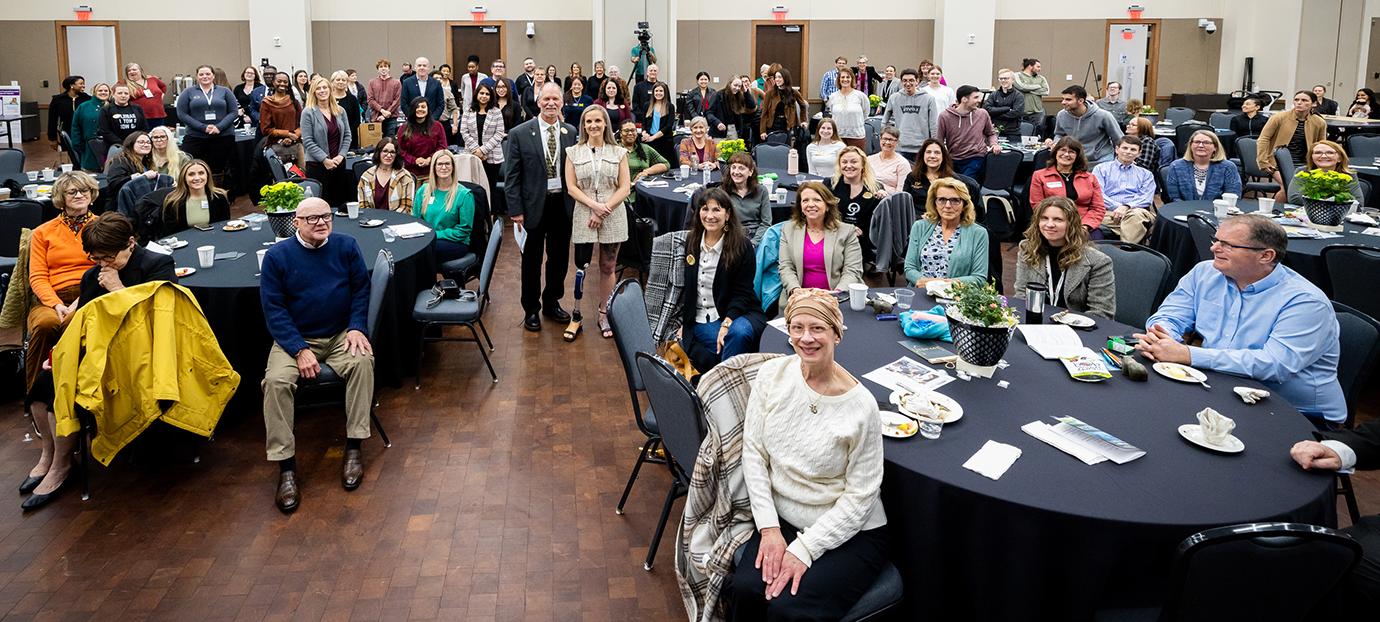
<point>550,151</point>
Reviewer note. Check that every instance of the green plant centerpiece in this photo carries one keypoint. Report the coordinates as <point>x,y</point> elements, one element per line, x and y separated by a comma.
<point>1326,197</point>
<point>279,201</point>
<point>981,323</point>
<point>874,101</point>
<point>729,147</point>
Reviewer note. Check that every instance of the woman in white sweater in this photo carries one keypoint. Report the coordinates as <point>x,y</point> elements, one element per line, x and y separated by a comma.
<point>812,462</point>
<point>821,154</point>
<point>849,107</point>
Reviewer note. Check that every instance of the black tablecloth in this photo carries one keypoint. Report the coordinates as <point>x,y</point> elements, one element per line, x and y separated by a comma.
<point>1054,539</point>
<point>229,295</point>
<point>1172,238</point>
<point>668,207</point>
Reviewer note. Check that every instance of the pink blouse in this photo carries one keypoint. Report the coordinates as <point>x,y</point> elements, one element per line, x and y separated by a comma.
<point>813,271</point>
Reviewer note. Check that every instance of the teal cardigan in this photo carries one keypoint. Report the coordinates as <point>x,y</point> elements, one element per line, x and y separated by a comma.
<point>968,263</point>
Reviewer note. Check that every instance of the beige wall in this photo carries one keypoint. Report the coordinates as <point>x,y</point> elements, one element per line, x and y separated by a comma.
<point>885,42</point>
<point>720,48</point>
<point>344,44</point>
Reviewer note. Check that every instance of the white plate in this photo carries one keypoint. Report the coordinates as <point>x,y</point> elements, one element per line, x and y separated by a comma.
<point>1074,320</point>
<point>181,272</point>
<point>370,223</point>
<point>890,421</point>
<point>1194,433</point>
<point>1182,373</point>
<point>174,244</point>
<point>949,409</point>
<point>235,225</point>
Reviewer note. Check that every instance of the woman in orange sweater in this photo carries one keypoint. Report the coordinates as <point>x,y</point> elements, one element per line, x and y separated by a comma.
<point>57,261</point>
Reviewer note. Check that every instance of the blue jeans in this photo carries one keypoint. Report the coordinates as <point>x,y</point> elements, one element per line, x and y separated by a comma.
<point>739,340</point>
<point>447,250</point>
<point>971,167</point>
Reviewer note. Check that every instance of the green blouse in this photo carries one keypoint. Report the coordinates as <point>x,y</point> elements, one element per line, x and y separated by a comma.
<point>452,224</point>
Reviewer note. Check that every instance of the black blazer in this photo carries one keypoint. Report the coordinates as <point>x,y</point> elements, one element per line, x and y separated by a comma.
<point>696,108</point>
<point>161,226</point>
<point>734,297</point>
<point>524,170</point>
<point>435,97</point>
<point>1247,126</point>
<point>1364,440</point>
<point>143,266</point>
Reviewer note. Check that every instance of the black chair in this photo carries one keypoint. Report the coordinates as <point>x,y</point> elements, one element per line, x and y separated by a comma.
<point>1285,163</point>
<point>1178,115</point>
<point>680,418</point>
<point>1218,574</point>
<point>466,268</point>
<point>12,161</point>
<point>1001,170</point>
<point>632,333</point>
<point>777,138</point>
<point>467,311</point>
<point>1246,147</point>
<point>1352,269</point>
<point>360,166</point>
<point>312,188</point>
<point>1027,129</point>
<point>1143,279</point>
<point>771,155</point>
<point>1221,120</point>
<point>15,216</point>
<point>1203,230</point>
<point>887,591</point>
<point>1360,341</point>
<point>328,387</point>
<point>1359,147</point>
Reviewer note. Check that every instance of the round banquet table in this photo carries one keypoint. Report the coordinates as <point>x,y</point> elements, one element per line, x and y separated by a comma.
<point>229,294</point>
<point>1053,538</point>
<point>1304,255</point>
<point>667,207</point>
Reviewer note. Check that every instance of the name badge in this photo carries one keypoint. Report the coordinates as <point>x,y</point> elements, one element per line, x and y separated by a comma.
<point>1054,184</point>
<point>148,93</point>
<point>205,204</point>
<point>210,116</point>
<point>553,184</point>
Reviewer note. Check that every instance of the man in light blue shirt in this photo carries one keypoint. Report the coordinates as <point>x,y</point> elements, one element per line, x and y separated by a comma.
<point>1258,319</point>
<point>1128,191</point>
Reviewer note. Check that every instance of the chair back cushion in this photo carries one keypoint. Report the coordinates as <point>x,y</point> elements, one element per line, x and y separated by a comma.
<point>679,415</point>
<point>15,216</point>
<point>1360,340</point>
<point>1202,231</point>
<point>486,271</point>
<point>378,288</point>
<point>771,156</point>
<point>1142,280</point>
<point>632,333</point>
<point>1351,269</point>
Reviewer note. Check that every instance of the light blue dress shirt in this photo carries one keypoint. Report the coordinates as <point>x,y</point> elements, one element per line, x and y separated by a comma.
<point>1125,184</point>
<point>1280,330</point>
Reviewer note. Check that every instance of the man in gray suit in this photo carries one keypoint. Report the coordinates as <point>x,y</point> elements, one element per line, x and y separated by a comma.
<point>534,158</point>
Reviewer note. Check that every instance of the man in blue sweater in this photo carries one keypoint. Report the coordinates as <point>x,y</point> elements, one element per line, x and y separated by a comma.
<point>315,293</point>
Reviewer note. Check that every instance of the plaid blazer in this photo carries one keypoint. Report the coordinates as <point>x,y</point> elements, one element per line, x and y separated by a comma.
<point>665,280</point>
<point>718,515</point>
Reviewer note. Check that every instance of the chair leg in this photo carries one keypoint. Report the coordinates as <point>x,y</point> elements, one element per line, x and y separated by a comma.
<point>83,450</point>
<point>1349,493</point>
<point>482,352</point>
<point>660,526</point>
<point>421,352</point>
<point>378,425</point>
<point>647,448</point>
<point>486,334</point>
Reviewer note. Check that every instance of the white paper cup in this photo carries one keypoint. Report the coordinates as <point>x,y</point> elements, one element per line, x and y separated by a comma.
<point>4,193</point>
<point>769,185</point>
<point>31,191</point>
<point>857,296</point>
<point>206,255</point>
<point>352,209</point>
<point>1230,198</point>
<point>685,171</point>
<point>261,252</point>
<point>47,174</point>
<point>1265,206</point>
<point>33,175</point>
<point>1219,207</point>
<point>66,168</point>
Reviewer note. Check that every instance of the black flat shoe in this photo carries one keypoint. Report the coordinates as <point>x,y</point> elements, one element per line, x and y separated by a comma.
<point>287,496</point>
<point>557,314</point>
<point>36,501</point>
<point>29,484</point>
<point>532,323</point>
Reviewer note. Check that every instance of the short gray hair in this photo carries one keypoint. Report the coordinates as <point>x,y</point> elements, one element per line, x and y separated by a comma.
<point>1264,232</point>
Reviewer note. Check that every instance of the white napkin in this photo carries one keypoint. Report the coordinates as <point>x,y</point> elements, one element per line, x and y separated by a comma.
<point>993,459</point>
<point>1361,219</point>
<point>653,183</point>
<point>158,248</point>
<point>1215,426</point>
<point>1249,395</point>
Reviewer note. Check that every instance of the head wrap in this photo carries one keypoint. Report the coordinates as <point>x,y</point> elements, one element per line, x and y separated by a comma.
<point>817,303</point>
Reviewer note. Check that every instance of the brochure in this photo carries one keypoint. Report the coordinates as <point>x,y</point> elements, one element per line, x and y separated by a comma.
<point>909,376</point>
<point>1092,439</point>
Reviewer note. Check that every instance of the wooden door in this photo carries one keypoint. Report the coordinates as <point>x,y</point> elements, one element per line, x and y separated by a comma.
<point>785,43</point>
<point>484,40</point>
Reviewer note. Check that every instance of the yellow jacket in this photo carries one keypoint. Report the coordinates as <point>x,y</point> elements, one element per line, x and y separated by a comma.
<point>136,355</point>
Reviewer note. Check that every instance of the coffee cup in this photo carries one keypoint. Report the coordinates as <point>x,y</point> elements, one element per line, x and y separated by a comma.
<point>352,209</point>
<point>261,252</point>
<point>30,191</point>
<point>780,195</point>
<point>1230,198</point>
<point>32,175</point>
<point>4,194</point>
<point>857,296</point>
<point>1220,208</point>
<point>685,171</point>
<point>1265,206</point>
<point>206,255</point>
<point>47,174</point>
<point>66,168</point>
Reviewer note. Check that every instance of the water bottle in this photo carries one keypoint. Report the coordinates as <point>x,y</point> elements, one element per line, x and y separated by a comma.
<point>1035,303</point>
<point>704,177</point>
<point>792,162</point>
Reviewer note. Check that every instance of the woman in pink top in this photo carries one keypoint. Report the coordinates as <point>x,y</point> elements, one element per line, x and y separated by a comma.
<point>889,167</point>
<point>818,249</point>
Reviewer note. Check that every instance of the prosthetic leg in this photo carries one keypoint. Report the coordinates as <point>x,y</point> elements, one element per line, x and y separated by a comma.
<point>583,253</point>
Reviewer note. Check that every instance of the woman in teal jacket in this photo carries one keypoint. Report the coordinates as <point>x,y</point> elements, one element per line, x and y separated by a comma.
<point>946,245</point>
<point>447,206</point>
<point>84,122</point>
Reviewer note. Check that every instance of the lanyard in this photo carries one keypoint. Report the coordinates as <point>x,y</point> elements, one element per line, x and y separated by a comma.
<point>1054,288</point>
<point>207,94</point>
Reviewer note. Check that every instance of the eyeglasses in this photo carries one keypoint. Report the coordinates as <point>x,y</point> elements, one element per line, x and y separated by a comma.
<point>76,192</point>
<point>101,258</point>
<point>315,219</point>
<point>1215,240</point>
<point>948,201</point>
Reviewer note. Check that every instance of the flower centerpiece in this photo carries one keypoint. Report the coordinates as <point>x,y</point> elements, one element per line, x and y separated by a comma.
<point>730,147</point>
<point>1326,197</point>
<point>874,101</point>
<point>981,323</point>
<point>279,201</point>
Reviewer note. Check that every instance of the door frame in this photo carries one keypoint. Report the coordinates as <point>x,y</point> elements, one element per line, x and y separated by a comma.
<point>804,49</point>
<point>450,42</point>
<point>1152,72</point>
<point>60,32</point>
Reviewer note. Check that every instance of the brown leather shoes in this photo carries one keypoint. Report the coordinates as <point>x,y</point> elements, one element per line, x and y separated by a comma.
<point>287,497</point>
<point>353,472</point>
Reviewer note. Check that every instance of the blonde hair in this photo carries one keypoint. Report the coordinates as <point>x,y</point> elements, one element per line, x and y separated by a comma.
<point>313,102</point>
<point>961,189</point>
<point>429,188</point>
<point>832,218</point>
<point>1219,154</point>
<point>339,73</point>
<point>172,155</point>
<point>74,179</point>
<point>608,130</point>
<point>1343,164</point>
<point>869,178</point>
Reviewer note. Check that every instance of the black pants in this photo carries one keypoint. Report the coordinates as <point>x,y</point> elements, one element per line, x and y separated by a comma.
<point>337,184</point>
<point>1361,591</point>
<point>215,150</point>
<point>498,205</point>
<point>828,589</point>
<point>553,236</point>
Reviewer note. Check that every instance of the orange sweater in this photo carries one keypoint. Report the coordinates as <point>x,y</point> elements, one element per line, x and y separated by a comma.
<point>56,261</point>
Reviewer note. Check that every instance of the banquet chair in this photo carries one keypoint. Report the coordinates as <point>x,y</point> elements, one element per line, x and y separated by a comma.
<point>632,333</point>
<point>1351,268</point>
<point>1221,120</point>
<point>887,591</point>
<point>1202,231</point>
<point>1285,163</point>
<point>11,161</point>
<point>872,140</point>
<point>771,156</point>
<point>1178,114</point>
<point>311,187</point>
<point>275,166</point>
<point>15,216</point>
<point>1143,278</point>
<point>360,166</point>
<point>1246,147</point>
<point>1217,574</point>
<point>1359,148</point>
<point>328,387</point>
<point>1027,128</point>
<point>466,268</point>
<point>1360,341</point>
<point>777,138</point>
<point>680,419</point>
<point>1167,151</point>
<point>467,310</point>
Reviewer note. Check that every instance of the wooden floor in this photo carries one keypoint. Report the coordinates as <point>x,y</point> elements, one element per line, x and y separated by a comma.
<point>495,502</point>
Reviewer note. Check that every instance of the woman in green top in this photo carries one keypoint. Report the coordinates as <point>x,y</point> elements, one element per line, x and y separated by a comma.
<point>84,127</point>
<point>447,206</point>
<point>643,161</point>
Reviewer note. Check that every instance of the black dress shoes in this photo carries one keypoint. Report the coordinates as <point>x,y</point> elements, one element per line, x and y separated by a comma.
<point>287,497</point>
<point>353,472</point>
<point>532,323</point>
<point>36,501</point>
<point>557,314</point>
<point>29,484</point>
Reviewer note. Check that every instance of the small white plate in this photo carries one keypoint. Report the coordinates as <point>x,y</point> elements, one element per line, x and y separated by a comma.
<point>949,410</point>
<point>1074,320</point>
<point>173,243</point>
<point>181,272</point>
<point>235,225</point>
<point>1182,373</point>
<point>891,422</point>
<point>1194,434</point>
<point>371,223</point>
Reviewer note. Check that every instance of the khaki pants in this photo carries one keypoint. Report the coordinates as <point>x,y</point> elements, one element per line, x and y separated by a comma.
<point>1134,225</point>
<point>280,387</point>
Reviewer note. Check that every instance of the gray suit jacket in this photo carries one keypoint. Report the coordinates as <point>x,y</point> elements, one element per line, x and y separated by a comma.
<point>524,170</point>
<point>842,257</point>
<point>1089,284</point>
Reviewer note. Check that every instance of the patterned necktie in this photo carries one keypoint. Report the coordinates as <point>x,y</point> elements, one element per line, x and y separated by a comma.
<point>550,151</point>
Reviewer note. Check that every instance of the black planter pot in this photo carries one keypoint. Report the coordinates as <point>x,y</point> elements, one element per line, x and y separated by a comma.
<point>982,346</point>
<point>282,224</point>
<point>1325,213</point>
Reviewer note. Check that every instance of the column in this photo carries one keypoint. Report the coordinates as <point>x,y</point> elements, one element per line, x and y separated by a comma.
<point>963,40</point>
<point>614,23</point>
<point>280,30</point>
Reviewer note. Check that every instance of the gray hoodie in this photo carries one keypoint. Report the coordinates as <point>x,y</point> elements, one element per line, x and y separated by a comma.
<point>1097,129</point>
<point>916,116</point>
